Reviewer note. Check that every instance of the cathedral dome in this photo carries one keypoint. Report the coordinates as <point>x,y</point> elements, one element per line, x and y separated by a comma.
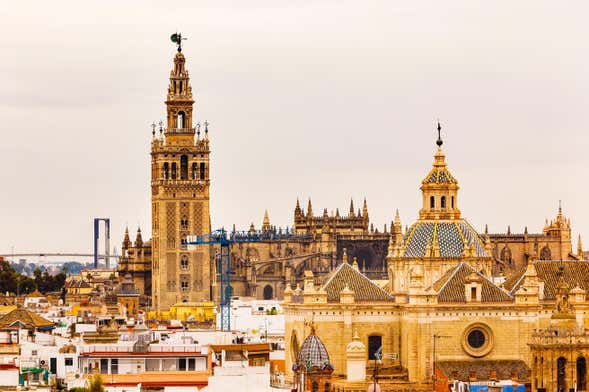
<point>441,238</point>
<point>313,354</point>
<point>440,230</point>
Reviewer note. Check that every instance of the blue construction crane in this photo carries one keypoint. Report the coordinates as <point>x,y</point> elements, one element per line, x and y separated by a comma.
<point>225,239</point>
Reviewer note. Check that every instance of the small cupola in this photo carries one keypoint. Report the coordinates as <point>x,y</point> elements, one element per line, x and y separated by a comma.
<point>439,189</point>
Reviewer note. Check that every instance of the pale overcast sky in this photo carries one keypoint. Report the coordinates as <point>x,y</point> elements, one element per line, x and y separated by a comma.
<point>321,99</point>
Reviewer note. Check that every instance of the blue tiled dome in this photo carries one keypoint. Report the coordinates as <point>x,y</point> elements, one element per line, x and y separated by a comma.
<point>450,236</point>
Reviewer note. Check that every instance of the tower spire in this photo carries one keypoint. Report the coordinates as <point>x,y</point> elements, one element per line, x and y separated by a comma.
<point>138,239</point>
<point>266,222</point>
<point>365,210</point>
<point>127,240</point>
<point>439,142</point>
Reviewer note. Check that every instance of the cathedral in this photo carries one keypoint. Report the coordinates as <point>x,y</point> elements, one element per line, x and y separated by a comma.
<point>167,271</point>
<point>442,314</point>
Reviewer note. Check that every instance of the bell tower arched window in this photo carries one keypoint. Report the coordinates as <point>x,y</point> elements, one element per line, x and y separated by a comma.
<point>166,171</point>
<point>184,263</point>
<point>452,202</point>
<point>432,202</point>
<point>184,223</point>
<point>174,169</point>
<point>180,120</point>
<point>184,167</point>
<point>202,170</point>
<point>194,171</point>
<point>443,202</point>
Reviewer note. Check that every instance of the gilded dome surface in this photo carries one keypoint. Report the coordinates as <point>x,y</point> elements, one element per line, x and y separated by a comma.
<point>451,237</point>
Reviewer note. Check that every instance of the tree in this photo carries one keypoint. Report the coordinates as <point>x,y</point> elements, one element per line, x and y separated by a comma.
<point>96,384</point>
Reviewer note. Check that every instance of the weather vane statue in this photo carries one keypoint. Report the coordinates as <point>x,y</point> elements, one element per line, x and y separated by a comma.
<point>177,39</point>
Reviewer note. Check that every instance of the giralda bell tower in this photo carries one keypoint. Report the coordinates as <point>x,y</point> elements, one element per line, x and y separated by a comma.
<point>179,197</point>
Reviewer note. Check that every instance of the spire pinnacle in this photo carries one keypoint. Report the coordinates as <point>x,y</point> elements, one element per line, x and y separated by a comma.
<point>439,142</point>
<point>266,222</point>
<point>126,240</point>
<point>138,238</point>
<point>352,207</point>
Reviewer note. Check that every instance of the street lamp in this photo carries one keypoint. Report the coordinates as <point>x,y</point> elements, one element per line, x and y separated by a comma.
<point>374,387</point>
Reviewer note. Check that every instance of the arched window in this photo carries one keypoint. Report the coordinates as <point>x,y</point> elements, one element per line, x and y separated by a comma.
<point>443,202</point>
<point>173,170</point>
<point>374,345</point>
<point>184,264</point>
<point>194,171</point>
<point>166,171</point>
<point>452,202</point>
<point>184,167</point>
<point>202,170</point>
<point>180,120</point>
<point>432,202</point>
<point>506,255</point>
<point>315,386</point>
<point>184,223</point>
<point>268,292</point>
<point>545,253</point>
<point>326,387</point>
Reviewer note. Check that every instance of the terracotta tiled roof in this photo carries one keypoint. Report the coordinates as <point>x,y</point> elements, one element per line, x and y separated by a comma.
<point>364,289</point>
<point>504,369</point>
<point>513,281</point>
<point>24,317</point>
<point>575,273</point>
<point>160,379</point>
<point>450,286</point>
<point>35,294</point>
<point>77,284</point>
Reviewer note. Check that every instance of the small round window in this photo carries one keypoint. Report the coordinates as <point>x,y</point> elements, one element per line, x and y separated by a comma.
<point>476,338</point>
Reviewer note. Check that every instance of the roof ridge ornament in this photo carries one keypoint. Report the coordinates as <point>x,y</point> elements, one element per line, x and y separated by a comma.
<point>439,142</point>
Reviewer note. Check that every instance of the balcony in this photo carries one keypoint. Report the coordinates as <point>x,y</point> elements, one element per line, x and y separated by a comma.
<point>180,130</point>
